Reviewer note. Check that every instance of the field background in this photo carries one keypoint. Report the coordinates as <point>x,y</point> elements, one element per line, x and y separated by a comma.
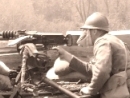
<point>60,15</point>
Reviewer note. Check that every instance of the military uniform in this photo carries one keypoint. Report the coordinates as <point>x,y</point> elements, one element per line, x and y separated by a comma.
<point>110,65</point>
<point>109,59</point>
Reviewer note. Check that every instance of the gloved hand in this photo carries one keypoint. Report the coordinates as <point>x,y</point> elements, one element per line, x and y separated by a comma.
<point>63,54</point>
<point>85,90</point>
<point>88,91</point>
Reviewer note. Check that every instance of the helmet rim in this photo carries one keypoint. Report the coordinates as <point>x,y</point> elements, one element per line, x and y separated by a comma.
<point>92,27</point>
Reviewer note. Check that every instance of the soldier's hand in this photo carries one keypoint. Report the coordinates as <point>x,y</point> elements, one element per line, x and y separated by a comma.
<point>85,90</point>
<point>63,54</point>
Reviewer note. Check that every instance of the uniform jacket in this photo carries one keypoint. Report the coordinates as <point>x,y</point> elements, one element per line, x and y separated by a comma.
<point>109,58</point>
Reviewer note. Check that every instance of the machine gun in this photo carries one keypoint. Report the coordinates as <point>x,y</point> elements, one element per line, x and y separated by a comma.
<point>46,39</point>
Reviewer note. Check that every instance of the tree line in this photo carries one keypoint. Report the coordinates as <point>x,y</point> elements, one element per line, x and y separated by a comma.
<point>60,15</point>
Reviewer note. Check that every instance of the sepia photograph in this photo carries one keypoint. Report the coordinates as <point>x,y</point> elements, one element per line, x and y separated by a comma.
<point>64,49</point>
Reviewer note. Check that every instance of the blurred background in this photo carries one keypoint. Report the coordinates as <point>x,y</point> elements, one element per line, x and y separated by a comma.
<point>60,15</point>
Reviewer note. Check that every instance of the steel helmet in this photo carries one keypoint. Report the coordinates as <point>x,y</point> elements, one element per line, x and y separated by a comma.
<point>96,21</point>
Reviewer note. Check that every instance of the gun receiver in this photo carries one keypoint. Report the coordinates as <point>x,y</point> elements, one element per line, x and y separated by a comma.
<point>50,39</point>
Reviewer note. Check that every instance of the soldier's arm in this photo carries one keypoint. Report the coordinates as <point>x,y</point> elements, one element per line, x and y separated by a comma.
<point>83,67</point>
<point>100,68</point>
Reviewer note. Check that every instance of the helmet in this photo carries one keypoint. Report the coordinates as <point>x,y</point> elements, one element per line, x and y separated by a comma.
<point>96,21</point>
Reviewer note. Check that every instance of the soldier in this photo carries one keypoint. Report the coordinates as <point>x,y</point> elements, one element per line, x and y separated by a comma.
<point>110,63</point>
